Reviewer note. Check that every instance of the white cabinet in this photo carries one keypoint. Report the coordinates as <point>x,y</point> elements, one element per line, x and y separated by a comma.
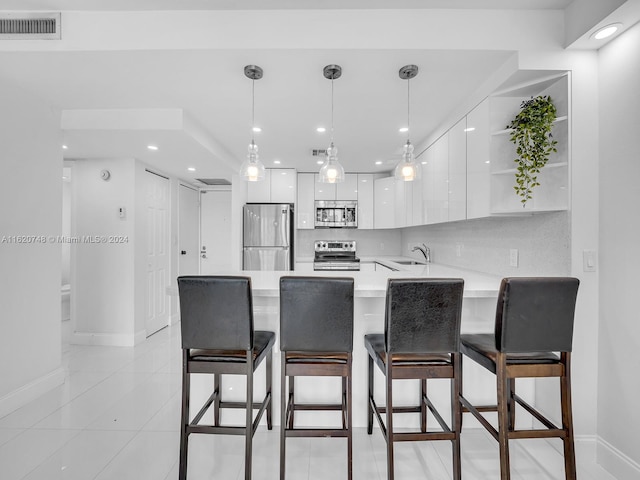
<point>304,267</point>
<point>457,178</point>
<point>283,185</point>
<point>324,191</point>
<point>278,186</point>
<point>553,191</point>
<point>260,192</point>
<point>347,190</point>
<point>435,181</point>
<point>478,162</point>
<point>384,200</point>
<point>305,207</point>
<point>365,201</point>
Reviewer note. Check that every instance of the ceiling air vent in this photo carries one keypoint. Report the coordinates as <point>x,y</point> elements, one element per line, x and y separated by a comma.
<point>29,26</point>
<point>318,152</point>
<point>214,181</point>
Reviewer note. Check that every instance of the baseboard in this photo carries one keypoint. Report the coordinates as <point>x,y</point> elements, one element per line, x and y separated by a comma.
<point>32,390</point>
<point>615,462</point>
<point>109,339</point>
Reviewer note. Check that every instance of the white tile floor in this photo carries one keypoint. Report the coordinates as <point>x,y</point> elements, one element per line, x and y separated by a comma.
<point>117,416</point>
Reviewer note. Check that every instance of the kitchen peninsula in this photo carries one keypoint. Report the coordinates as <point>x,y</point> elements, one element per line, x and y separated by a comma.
<point>480,293</point>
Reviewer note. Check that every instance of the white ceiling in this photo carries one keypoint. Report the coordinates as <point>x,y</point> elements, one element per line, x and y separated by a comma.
<point>208,86</point>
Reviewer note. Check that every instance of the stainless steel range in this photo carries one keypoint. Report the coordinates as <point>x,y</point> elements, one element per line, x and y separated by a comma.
<point>335,255</point>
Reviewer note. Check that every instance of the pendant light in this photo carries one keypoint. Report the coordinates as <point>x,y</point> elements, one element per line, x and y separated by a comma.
<point>408,169</point>
<point>332,171</point>
<point>252,169</point>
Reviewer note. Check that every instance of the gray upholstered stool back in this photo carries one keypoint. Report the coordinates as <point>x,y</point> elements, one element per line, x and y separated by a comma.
<point>216,312</point>
<point>316,314</point>
<point>423,315</point>
<point>536,314</point>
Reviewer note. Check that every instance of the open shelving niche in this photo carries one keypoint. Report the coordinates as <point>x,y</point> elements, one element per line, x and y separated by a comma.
<point>553,192</point>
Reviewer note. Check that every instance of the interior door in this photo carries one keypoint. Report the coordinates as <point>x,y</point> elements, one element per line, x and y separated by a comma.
<point>188,231</point>
<point>158,257</point>
<point>215,231</point>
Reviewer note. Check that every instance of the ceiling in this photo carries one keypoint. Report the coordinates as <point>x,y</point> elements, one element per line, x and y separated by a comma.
<point>205,98</point>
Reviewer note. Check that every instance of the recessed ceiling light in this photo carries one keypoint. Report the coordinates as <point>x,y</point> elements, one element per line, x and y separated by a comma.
<point>191,169</point>
<point>607,31</point>
<point>152,147</point>
<point>403,129</point>
<point>320,162</point>
<point>423,163</point>
<point>379,162</point>
<point>277,162</point>
<point>257,129</point>
<point>64,147</point>
<point>469,129</point>
<point>321,129</point>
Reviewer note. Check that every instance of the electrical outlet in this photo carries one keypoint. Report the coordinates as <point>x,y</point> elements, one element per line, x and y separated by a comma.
<point>459,248</point>
<point>513,257</point>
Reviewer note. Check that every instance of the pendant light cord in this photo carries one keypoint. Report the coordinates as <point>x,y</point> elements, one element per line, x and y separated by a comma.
<point>332,110</point>
<point>253,108</point>
<point>408,108</point>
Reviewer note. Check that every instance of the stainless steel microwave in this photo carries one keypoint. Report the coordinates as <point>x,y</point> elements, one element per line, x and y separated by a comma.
<point>336,214</point>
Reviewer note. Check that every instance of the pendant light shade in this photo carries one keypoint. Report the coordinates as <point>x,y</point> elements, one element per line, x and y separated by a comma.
<point>252,169</point>
<point>331,171</point>
<point>408,169</point>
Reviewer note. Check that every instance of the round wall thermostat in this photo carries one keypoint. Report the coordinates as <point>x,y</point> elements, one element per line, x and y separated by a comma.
<point>105,175</point>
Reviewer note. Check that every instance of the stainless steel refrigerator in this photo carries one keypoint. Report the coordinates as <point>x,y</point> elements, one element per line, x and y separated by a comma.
<point>267,236</point>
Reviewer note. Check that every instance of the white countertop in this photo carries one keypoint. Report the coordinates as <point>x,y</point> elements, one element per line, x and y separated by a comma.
<point>374,284</point>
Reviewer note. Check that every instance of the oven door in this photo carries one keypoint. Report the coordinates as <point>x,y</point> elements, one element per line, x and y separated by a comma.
<point>336,265</point>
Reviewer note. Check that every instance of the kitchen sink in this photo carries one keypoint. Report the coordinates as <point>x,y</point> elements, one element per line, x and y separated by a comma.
<point>408,262</point>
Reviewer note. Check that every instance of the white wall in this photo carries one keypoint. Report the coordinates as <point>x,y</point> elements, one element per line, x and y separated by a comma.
<point>619,332</point>
<point>103,273</point>
<point>30,204</point>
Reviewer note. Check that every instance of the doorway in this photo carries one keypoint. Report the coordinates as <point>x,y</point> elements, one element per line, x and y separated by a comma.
<point>188,230</point>
<point>215,231</point>
<point>158,255</point>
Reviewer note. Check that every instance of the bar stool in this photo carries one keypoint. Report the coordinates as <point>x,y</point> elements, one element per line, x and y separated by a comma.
<point>218,338</point>
<point>316,339</point>
<point>534,319</point>
<point>420,341</point>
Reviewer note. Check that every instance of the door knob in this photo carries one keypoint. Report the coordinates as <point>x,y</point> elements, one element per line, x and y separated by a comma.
<point>183,252</point>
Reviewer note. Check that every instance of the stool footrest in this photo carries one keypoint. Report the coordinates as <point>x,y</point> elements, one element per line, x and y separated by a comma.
<point>316,432</point>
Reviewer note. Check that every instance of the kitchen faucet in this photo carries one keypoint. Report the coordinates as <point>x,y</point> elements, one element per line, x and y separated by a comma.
<point>425,251</point>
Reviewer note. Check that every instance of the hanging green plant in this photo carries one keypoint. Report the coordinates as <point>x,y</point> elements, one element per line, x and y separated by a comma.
<point>534,142</point>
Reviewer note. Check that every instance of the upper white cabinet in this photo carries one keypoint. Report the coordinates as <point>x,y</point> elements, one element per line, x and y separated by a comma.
<point>278,186</point>
<point>478,162</point>
<point>365,200</point>
<point>553,191</point>
<point>384,197</point>
<point>305,207</point>
<point>435,181</point>
<point>347,190</point>
<point>457,178</point>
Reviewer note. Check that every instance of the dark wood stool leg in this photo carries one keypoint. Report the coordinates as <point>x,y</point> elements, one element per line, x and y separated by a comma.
<point>216,402</point>
<point>344,402</point>
<point>284,400</point>
<point>456,413</point>
<point>292,399</point>
<point>511,405</point>
<point>369,408</point>
<point>269,392</point>
<point>389,403</point>
<point>184,435</point>
<point>503,415</point>
<point>350,421</point>
<point>423,405</point>
<point>249,418</point>
<point>567,418</point>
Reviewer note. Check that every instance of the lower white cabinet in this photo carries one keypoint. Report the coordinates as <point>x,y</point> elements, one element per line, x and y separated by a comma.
<point>304,267</point>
